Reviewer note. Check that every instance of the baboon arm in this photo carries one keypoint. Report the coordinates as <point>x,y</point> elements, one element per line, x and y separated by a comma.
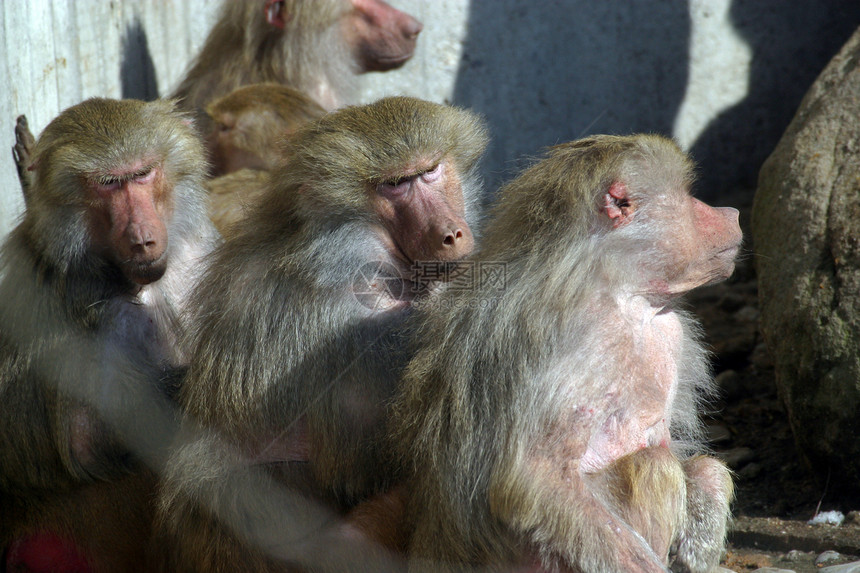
<point>22,154</point>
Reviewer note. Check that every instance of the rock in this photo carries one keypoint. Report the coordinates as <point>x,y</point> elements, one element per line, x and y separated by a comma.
<point>746,560</point>
<point>827,518</point>
<point>750,471</point>
<point>844,568</point>
<point>773,570</point>
<point>787,535</point>
<point>732,301</point>
<point>730,384</point>
<point>827,557</point>
<point>761,357</point>
<point>736,347</point>
<point>747,313</point>
<point>806,235</point>
<point>795,555</point>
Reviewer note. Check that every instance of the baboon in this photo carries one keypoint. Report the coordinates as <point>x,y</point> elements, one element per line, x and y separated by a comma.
<point>250,124</point>
<point>548,417</point>
<point>295,339</point>
<point>251,121</point>
<point>93,282</point>
<point>315,46</point>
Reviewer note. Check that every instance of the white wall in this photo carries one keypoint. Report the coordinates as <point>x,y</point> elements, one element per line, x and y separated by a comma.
<point>54,54</point>
<point>541,71</point>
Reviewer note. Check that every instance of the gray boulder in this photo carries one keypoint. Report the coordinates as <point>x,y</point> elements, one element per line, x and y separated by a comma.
<point>806,235</point>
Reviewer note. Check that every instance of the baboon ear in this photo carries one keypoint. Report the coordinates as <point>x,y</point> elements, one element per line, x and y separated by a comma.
<point>617,204</point>
<point>275,13</point>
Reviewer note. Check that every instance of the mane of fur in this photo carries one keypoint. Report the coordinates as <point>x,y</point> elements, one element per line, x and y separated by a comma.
<point>243,48</point>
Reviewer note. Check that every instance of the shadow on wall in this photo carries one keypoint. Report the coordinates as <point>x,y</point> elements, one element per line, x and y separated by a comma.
<point>137,72</point>
<point>791,44</point>
<point>547,72</point>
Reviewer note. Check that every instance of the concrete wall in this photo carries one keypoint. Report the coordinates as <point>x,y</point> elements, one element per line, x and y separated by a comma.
<point>722,76</point>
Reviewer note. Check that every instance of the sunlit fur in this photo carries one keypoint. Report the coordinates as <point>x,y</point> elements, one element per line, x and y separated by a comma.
<point>243,48</point>
<point>260,115</point>
<point>497,370</point>
<point>82,348</point>
<point>280,339</point>
<point>251,121</point>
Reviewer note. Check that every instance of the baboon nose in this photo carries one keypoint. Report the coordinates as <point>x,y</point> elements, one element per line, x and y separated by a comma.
<point>413,28</point>
<point>144,243</point>
<point>452,238</point>
<point>143,247</point>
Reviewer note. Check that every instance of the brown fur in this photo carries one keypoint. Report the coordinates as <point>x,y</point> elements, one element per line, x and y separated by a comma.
<point>548,421</point>
<point>91,322</point>
<point>250,123</point>
<point>317,51</point>
<point>232,196</point>
<point>295,355</point>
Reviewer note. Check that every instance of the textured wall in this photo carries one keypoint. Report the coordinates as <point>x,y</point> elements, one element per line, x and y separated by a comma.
<point>722,76</point>
<point>54,54</point>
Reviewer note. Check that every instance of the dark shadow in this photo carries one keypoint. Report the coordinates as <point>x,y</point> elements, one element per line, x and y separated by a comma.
<point>137,73</point>
<point>547,72</point>
<point>791,44</point>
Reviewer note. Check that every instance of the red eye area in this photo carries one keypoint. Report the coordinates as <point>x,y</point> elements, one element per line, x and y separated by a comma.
<point>394,187</point>
<point>432,174</point>
<point>398,186</point>
<point>107,185</point>
<point>144,176</point>
<point>112,183</point>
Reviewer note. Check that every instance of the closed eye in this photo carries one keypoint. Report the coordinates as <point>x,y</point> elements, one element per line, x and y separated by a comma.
<point>432,174</point>
<point>144,175</point>
<point>394,187</point>
<point>108,184</point>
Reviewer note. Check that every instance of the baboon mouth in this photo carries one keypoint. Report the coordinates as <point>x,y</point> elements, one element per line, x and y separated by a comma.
<point>729,252</point>
<point>146,272</point>
<point>385,63</point>
<point>395,60</point>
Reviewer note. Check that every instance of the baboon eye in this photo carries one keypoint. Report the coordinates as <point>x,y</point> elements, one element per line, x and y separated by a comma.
<point>144,176</point>
<point>394,187</point>
<point>432,174</point>
<point>107,184</point>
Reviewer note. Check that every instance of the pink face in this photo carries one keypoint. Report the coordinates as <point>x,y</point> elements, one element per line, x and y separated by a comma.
<point>423,213</point>
<point>382,38</point>
<point>714,246</point>
<point>703,243</point>
<point>127,219</point>
<point>698,243</point>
